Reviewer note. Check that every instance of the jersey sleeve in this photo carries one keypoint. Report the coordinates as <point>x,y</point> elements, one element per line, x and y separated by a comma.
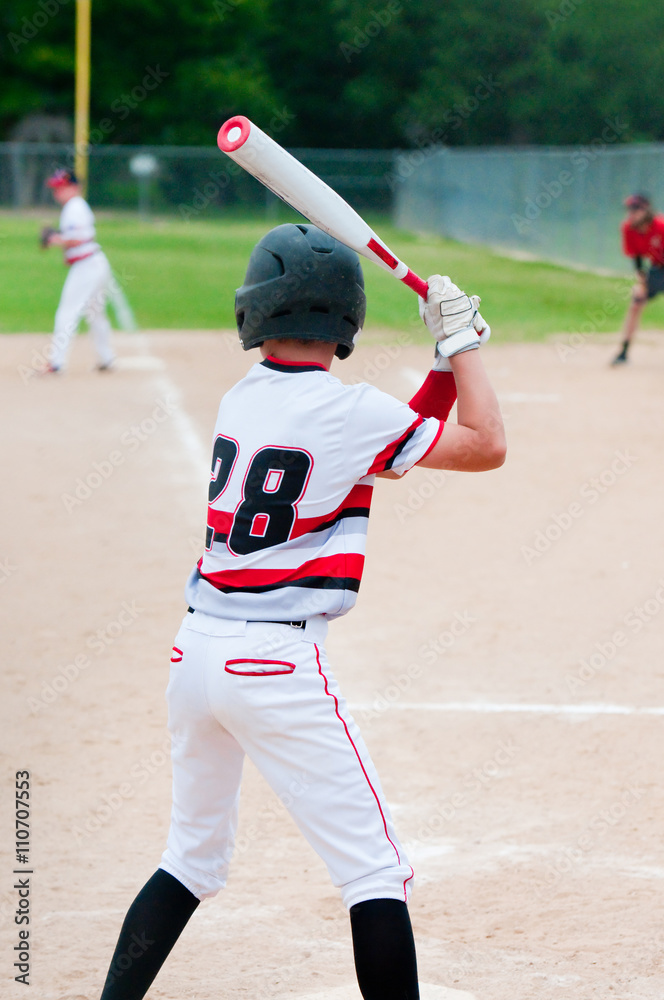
<point>381,433</point>
<point>628,234</point>
<point>77,221</point>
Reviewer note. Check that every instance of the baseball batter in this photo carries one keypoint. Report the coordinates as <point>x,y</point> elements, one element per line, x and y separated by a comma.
<point>642,237</point>
<point>294,460</point>
<point>86,286</point>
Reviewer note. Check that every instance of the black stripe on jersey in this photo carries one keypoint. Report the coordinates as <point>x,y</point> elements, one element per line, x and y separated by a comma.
<point>310,582</point>
<point>214,536</point>
<point>399,448</point>
<point>277,366</point>
<point>348,512</point>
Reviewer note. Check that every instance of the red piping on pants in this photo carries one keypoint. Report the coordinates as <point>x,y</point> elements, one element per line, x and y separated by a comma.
<point>373,790</point>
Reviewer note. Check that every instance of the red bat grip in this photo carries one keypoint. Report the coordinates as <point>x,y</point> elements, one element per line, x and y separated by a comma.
<point>418,284</point>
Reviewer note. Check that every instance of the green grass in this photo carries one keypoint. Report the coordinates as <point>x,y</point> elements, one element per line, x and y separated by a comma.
<point>184,274</point>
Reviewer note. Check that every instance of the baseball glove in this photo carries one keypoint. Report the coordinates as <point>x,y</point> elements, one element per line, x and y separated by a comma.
<point>45,236</point>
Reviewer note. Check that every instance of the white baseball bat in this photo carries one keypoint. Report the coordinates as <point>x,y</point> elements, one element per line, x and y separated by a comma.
<point>295,184</point>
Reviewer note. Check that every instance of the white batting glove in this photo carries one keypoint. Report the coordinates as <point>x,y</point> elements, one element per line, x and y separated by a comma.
<point>453,319</point>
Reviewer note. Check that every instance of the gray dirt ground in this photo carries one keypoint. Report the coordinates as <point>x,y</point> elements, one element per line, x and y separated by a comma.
<point>535,834</point>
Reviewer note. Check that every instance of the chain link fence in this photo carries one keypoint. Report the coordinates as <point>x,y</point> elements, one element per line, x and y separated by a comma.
<point>193,182</point>
<point>561,204</point>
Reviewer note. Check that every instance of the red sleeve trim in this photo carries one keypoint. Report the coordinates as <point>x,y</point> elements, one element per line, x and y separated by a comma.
<point>434,442</point>
<point>385,459</point>
<point>628,242</point>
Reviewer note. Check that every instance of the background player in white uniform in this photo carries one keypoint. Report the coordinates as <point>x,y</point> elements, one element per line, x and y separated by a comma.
<point>294,460</point>
<point>86,286</point>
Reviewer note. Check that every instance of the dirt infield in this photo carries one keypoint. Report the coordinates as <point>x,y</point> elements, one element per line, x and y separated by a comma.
<point>504,662</point>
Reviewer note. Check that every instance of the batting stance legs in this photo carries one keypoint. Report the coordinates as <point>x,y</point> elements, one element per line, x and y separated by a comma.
<point>84,295</point>
<point>265,690</point>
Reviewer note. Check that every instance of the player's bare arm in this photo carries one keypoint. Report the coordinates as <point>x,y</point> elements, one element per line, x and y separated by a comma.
<point>57,240</point>
<point>477,442</point>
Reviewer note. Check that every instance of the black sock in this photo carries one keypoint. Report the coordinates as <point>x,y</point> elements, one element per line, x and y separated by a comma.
<point>153,924</point>
<point>384,949</point>
<point>625,348</point>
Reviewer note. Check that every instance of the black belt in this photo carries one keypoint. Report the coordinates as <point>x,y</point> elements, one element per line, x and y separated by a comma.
<point>263,622</point>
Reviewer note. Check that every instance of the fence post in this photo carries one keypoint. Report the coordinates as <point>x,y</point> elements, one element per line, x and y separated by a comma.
<point>16,160</point>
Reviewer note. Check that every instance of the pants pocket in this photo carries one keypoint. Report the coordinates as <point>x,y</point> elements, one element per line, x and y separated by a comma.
<point>258,668</point>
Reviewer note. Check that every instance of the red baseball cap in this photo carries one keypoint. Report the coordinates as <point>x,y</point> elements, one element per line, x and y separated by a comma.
<point>637,201</point>
<point>62,178</point>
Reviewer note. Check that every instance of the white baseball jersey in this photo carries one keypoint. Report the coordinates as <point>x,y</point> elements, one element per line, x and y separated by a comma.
<point>77,222</point>
<point>294,460</point>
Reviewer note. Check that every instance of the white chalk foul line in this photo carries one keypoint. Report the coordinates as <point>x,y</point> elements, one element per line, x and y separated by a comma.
<point>193,447</point>
<point>427,992</point>
<point>185,428</point>
<point>504,708</point>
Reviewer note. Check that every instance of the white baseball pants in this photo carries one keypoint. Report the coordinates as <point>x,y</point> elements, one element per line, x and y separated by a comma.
<point>266,690</point>
<point>84,295</point>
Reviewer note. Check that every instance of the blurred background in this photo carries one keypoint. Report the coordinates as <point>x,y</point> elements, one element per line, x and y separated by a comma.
<point>517,124</point>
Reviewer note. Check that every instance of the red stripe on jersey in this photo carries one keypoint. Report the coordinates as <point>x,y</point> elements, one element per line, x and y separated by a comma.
<point>359,496</point>
<point>220,520</point>
<point>386,457</point>
<point>349,565</point>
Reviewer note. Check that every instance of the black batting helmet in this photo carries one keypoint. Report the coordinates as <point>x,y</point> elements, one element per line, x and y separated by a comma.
<point>302,284</point>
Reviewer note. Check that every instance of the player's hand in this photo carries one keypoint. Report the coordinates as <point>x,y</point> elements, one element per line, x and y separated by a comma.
<point>46,236</point>
<point>453,318</point>
<point>480,324</point>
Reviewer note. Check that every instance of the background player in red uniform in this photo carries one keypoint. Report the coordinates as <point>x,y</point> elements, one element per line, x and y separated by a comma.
<point>643,237</point>
<point>295,456</point>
